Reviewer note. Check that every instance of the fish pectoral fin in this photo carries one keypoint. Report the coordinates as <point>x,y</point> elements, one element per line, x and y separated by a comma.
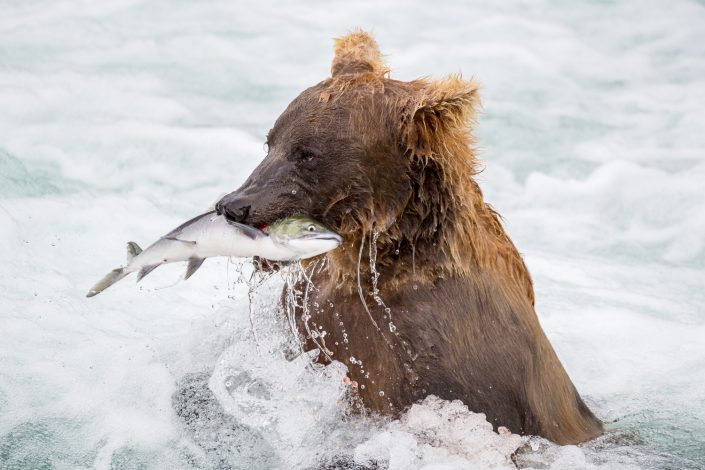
<point>133,249</point>
<point>190,242</point>
<point>146,270</point>
<point>193,264</point>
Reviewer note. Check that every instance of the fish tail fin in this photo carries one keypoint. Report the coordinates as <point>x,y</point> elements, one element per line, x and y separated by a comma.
<point>133,249</point>
<point>111,278</point>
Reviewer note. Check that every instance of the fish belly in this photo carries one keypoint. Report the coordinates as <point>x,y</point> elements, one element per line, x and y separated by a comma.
<point>230,245</point>
<point>160,252</point>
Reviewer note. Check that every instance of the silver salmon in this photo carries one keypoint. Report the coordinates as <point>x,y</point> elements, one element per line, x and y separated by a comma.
<point>210,234</point>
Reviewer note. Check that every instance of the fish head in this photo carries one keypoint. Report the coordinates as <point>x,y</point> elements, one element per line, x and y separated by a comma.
<point>304,236</point>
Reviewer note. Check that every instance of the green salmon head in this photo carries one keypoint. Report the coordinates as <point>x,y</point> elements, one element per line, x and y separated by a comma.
<point>304,236</point>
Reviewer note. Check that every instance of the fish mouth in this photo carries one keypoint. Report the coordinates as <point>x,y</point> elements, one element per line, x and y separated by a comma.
<point>328,237</point>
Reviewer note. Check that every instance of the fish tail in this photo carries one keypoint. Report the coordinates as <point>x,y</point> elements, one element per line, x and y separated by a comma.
<point>111,278</point>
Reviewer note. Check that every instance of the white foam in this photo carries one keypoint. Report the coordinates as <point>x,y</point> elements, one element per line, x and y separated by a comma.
<point>439,434</point>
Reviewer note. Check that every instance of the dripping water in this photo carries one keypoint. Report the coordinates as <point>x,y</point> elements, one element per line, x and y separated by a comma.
<point>413,261</point>
<point>373,267</point>
<point>375,282</point>
<point>359,285</point>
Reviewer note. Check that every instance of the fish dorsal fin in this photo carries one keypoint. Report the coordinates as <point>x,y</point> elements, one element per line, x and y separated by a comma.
<point>190,242</point>
<point>146,270</point>
<point>193,264</point>
<point>133,249</point>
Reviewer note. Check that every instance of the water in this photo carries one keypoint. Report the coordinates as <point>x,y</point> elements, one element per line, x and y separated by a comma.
<point>120,119</point>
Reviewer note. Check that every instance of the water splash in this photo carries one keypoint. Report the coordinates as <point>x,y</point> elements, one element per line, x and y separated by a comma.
<point>294,275</point>
<point>256,280</point>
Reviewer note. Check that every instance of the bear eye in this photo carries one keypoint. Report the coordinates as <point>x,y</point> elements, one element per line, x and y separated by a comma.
<point>302,155</point>
<point>311,228</point>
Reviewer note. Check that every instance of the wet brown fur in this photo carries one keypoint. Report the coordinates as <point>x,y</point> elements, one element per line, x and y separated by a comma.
<point>454,309</point>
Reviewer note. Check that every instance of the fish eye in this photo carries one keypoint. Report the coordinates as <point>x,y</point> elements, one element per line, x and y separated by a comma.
<point>311,228</point>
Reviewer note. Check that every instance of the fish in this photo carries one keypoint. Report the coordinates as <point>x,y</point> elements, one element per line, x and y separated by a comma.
<point>209,235</point>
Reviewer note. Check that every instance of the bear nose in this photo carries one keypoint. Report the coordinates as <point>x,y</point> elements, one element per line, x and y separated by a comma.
<point>233,209</point>
<point>237,214</point>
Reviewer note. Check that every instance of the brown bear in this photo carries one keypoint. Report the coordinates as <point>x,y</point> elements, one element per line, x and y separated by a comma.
<point>427,295</point>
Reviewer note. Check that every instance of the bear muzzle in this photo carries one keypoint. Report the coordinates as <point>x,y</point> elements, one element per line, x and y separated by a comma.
<point>234,208</point>
<point>258,209</point>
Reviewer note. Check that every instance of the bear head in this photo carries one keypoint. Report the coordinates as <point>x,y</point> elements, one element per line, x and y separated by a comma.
<point>347,151</point>
<point>364,153</point>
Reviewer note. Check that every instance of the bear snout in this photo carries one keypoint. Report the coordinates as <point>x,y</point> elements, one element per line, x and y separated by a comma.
<point>233,208</point>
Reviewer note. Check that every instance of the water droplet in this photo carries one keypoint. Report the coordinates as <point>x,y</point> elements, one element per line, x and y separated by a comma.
<point>416,287</point>
<point>396,252</point>
<point>381,393</point>
<point>293,191</point>
<point>387,310</point>
<point>362,386</point>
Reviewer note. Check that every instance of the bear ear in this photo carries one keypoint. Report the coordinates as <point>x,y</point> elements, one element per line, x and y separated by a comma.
<point>357,52</point>
<point>438,114</point>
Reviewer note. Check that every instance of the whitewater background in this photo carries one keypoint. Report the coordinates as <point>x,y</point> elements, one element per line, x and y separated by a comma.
<point>121,119</point>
